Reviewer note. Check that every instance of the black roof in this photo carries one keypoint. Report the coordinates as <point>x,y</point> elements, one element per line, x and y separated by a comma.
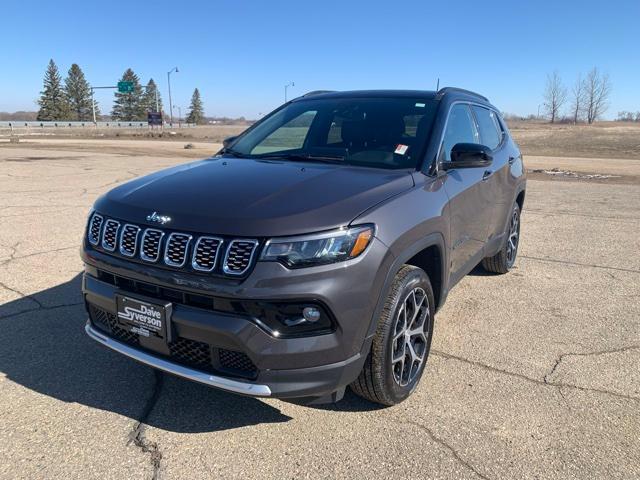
<point>426,94</point>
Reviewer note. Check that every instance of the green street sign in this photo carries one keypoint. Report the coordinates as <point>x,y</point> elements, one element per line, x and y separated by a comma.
<point>125,87</point>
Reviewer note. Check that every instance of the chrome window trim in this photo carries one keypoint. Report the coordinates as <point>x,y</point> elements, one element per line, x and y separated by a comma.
<point>197,267</point>
<point>104,231</point>
<point>143,256</point>
<point>95,215</point>
<point>168,260</point>
<point>226,256</point>
<point>135,243</point>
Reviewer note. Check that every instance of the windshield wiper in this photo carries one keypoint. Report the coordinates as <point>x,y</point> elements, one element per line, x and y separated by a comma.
<point>232,152</point>
<point>304,156</point>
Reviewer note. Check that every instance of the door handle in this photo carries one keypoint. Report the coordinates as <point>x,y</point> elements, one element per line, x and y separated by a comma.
<point>486,175</point>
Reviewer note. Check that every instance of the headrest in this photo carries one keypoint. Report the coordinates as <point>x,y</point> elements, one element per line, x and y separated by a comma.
<point>353,132</point>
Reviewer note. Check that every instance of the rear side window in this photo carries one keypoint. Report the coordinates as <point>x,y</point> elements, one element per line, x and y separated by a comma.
<point>460,129</point>
<point>490,135</point>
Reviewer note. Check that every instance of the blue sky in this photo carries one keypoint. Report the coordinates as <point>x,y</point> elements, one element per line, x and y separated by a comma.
<point>241,53</point>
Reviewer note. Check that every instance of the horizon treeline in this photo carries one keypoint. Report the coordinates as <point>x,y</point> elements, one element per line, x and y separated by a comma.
<point>71,99</point>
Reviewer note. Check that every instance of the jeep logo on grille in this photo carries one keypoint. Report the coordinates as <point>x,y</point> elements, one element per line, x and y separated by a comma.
<point>161,219</point>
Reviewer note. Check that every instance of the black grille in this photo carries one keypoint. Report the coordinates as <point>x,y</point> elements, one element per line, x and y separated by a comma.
<point>95,226</point>
<point>205,253</point>
<point>108,323</point>
<point>239,255</point>
<point>129,240</point>
<point>237,363</point>
<point>176,250</point>
<point>151,245</point>
<point>192,353</point>
<point>110,235</point>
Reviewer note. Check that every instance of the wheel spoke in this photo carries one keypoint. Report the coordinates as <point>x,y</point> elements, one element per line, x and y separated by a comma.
<point>409,341</point>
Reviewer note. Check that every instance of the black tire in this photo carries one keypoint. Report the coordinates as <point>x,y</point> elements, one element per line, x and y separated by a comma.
<point>380,379</point>
<point>504,260</point>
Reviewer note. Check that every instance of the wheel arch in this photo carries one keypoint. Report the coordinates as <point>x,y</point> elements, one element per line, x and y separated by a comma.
<point>429,254</point>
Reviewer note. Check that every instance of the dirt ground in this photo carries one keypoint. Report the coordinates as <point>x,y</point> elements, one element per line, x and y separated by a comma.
<point>533,374</point>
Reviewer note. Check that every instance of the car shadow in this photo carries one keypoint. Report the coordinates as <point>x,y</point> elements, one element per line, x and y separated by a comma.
<point>43,347</point>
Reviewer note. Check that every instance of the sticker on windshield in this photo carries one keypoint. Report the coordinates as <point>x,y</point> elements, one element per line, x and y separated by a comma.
<point>401,149</point>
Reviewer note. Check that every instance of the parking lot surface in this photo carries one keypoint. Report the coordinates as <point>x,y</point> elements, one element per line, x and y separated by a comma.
<point>533,374</point>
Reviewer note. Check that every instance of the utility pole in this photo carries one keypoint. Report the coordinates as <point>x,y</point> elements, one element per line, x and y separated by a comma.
<point>290,84</point>
<point>174,69</point>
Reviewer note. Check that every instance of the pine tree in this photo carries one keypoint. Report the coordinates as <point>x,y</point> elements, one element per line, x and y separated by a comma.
<point>129,107</point>
<point>78,94</point>
<point>149,98</point>
<point>53,100</point>
<point>196,113</point>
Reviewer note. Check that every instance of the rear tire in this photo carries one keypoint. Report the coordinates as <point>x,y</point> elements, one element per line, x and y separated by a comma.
<point>402,340</point>
<point>504,260</point>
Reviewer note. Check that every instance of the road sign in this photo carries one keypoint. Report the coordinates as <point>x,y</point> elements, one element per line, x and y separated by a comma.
<point>154,118</point>
<point>125,87</point>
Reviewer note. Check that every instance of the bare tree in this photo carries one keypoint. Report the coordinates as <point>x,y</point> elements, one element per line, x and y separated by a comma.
<point>578,100</point>
<point>555,95</point>
<point>597,92</point>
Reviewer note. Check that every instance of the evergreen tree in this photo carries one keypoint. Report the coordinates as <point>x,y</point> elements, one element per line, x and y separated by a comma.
<point>78,94</point>
<point>196,113</point>
<point>129,107</point>
<point>149,98</point>
<point>53,100</point>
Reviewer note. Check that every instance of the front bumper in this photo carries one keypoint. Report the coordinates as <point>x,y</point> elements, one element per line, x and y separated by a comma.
<point>311,366</point>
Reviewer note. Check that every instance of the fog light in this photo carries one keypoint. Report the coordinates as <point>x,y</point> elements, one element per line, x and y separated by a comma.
<point>311,314</point>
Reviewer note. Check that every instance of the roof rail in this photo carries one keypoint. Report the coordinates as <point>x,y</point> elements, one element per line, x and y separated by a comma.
<point>444,90</point>
<point>317,92</point>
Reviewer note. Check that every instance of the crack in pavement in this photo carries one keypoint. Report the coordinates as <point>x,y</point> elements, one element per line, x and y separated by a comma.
<point>543,383</point>
<point>584,354</point>
<point>41,308</point>
<point>137,435</point>
<point>448,447</point>
<point>12,256</point>
<point>568,262</point>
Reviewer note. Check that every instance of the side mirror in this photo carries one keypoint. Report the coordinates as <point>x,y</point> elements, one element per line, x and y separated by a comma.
<point>228,141</point>
<point>469,155</point>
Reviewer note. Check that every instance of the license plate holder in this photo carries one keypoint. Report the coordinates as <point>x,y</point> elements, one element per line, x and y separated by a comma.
<point>144,318</point>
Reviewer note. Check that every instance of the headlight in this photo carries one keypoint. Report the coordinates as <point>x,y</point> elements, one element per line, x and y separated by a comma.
<point>319,249</point>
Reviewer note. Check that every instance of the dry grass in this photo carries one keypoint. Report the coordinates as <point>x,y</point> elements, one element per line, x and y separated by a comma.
<point>601,140</point>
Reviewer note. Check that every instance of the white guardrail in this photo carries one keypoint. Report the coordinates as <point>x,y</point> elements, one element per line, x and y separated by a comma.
<point>11,124</point>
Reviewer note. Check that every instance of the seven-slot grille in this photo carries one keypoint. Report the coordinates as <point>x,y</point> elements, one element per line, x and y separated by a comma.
<point>238,257</point>
<point>175,253</point>
<point>205,253</point>
<point>174,249</point>
<point>110,235</point>
<point>129,240</point>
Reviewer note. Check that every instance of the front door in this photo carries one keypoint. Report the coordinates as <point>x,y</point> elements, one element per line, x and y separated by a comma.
<point>471,207</point>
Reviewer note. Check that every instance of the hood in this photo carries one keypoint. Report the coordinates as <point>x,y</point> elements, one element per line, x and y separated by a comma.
<point>253,198</point>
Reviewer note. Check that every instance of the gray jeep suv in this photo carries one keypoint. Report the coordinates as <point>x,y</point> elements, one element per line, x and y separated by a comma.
<point>313,251</point>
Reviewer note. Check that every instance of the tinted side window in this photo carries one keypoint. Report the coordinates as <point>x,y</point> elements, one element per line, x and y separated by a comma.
<point>489,134</point>
<point>460,129</point>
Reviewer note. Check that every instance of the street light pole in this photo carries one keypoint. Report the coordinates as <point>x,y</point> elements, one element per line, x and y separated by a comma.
<point>174,69</point>
<point>290,84</point>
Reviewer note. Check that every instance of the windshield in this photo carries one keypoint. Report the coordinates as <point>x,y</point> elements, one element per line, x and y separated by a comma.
<point>374,132</point>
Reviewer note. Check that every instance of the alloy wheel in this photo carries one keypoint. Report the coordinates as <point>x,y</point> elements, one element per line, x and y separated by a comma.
<point>409,344</point>
<point>514,234</point>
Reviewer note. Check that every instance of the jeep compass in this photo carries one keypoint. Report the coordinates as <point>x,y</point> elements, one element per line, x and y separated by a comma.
<point>312,252</point>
